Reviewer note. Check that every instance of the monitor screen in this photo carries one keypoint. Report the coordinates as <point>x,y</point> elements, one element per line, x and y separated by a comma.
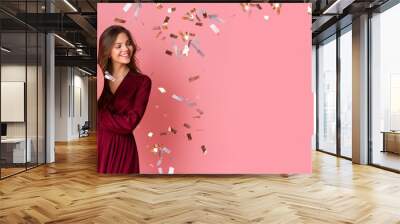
<point>3,129</point>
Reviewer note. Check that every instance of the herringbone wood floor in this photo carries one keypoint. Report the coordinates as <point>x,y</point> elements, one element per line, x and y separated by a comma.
<point>70,191</point>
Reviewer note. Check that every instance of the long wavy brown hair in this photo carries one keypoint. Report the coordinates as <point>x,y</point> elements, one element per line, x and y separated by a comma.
<point>106,42</point>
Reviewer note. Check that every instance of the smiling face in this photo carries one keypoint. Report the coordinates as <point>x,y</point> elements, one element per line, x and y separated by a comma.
<point>122,49</point>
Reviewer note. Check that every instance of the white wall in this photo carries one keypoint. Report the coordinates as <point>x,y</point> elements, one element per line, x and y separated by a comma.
<point>70,83</point>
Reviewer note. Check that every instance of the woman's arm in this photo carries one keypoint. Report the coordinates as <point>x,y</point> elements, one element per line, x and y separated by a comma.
<point>127,122</point>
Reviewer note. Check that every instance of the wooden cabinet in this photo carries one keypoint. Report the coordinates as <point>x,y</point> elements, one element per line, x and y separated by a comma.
<point>391,142</point>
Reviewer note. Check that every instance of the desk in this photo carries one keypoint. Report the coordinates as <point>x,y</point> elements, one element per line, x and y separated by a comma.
<point>13,150</point>
<point>391,141</point>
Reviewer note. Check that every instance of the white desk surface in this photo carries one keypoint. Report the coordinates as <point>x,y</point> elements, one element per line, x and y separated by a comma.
<point>13,140</point>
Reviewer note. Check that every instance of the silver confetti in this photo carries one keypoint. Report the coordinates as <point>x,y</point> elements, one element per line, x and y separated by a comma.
<point>178,98</point>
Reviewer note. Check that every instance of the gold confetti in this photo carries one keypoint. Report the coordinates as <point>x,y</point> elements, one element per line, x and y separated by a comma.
<point>171,10</point>
<point>168,52</point>
<point>171,129</point>
<point>203,149</point>
<point>194,78</point>
<point>189,136</point>
<point>245,7</point>
<point>214,28</point>
<point>186,125</point>
<point>118,20</point>
<point>277,7</point>
<point>158,34</point>
<point>162,90</point>
<point>165,23</point>
<point>184,36</point>
<point>159,6</point>
<point>198,18</point>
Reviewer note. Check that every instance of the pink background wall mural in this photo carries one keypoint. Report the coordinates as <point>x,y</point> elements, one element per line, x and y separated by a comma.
<point>238,102</point>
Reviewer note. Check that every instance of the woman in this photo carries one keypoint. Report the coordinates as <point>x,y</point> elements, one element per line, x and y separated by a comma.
<point>121,104</point>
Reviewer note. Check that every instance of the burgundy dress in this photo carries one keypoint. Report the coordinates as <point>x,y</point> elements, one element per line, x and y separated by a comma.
<point>117,151</point>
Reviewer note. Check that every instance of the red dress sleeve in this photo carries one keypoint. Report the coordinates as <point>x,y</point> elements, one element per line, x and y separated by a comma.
<point>127,122</point>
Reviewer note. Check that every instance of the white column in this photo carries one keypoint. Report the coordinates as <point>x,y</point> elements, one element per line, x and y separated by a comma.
<point>360,90</point>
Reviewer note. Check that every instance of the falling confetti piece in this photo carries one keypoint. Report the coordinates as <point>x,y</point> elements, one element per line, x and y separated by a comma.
<point>191,104</point>
<point>159,6</point>
<point>118,20</point>
<point>158,34</point>
<point>170,170</point>
<point>203,149</point>
<point>214,28</point>
<point>189,136</point>
<point>259,6</point>
<point>309,10</point>
<point>184,36</point>
<point>150,134</point>
<point>163,133</point>
<point>171,10</point>
<point>160,171</point>
<point>186,125</point>
<point>185,50</point>
<point>200,111</point>
<point>109,76</point>
<point>166,150</point>
<point>277,7</point>
<point>194,78</point>
<point>162,90</point>
<point>266,18</point>
<point>159,162</point>
<point>176,50</point>
<point>178,98</point>
<point>245,7</point>
<point>138,6</point>
<point>192,43</point>
<point>173,36</point>
<point>172,130</point>
<point>168,52</point>
<point>216,18</point>
<point>165,23</point>
<point>197,116</point>
<point>199,24</point>
<point>127,6</point>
